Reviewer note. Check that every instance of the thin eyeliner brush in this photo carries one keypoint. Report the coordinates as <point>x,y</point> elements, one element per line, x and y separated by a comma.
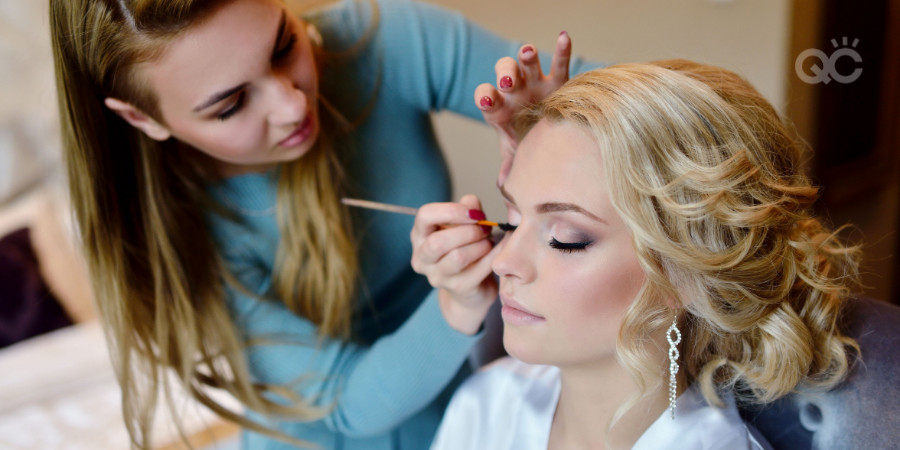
<point>410,211</point>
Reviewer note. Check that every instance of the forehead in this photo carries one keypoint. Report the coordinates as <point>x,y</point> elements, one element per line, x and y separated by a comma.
<point>557,161</point>
<point>217,53</point>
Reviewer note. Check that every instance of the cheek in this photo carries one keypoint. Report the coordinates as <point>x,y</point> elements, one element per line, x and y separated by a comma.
<point>308,81</point>
<point>242,138</point>
<point>231,139</point>
<point>598,293</point>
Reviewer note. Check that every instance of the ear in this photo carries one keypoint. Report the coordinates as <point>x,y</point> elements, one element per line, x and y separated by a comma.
<point>315,37</point>
<point>138,119</point>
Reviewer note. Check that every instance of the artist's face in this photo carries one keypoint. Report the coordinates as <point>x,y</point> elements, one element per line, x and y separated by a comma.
<point>241,86</point>
<point>569,270</point>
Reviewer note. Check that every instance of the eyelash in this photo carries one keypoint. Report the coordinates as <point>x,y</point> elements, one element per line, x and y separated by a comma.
<point>569,247</point>
<point>279,55</point>
<point>233,109</point>
<point>565,247</point>
<point>284,51</point>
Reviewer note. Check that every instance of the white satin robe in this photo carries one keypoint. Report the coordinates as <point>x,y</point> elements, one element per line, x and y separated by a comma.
<point>509,405</point>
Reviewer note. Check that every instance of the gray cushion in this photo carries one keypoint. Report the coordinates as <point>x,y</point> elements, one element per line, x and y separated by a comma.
<point>861,413</point>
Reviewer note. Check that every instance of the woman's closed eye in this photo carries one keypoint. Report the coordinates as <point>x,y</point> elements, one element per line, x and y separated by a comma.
<point>285,49</point>
<point>569,247</point>
<point>279,55</point>
<point>234,108</point>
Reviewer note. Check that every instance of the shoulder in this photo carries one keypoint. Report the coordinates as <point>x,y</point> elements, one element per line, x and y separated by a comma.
<point>508,377</point>
<point>353,17</point>
<point>505,395</point>
<point>699,425</point>
<point>346,23</point>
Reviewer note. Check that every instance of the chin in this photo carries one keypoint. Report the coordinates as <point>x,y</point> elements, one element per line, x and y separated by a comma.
<point>526,350</point>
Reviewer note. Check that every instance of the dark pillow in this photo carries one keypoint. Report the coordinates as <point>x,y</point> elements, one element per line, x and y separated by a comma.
<point>27,307</point>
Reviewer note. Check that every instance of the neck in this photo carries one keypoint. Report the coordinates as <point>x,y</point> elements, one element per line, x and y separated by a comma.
<point>589,399</point>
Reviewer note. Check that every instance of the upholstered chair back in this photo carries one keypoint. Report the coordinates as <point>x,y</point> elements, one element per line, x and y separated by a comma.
<point>864,411</point>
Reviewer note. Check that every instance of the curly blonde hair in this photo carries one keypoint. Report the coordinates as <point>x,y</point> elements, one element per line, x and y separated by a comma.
<point>708,178</point>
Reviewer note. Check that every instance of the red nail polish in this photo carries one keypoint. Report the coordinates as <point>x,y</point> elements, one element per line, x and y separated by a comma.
<point>486,229</point>
<point>528,50</point>
<point>475,214</point>
<point>486,102</point>
<point>506,82</point>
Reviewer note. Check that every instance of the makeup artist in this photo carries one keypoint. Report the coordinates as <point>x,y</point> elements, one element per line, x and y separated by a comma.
<point>208,144</point>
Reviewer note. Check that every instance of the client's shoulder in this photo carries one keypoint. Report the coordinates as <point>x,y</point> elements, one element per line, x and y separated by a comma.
<point>501,402</point>
<point>507,382</point>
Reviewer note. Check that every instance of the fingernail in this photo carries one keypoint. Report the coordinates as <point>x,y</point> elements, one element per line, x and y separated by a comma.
<point>563,32</point>
<point>527,50</point>
<point>475,214</point>
<point>486,102</point>
<point>486,229</point>
<point>506,82</point>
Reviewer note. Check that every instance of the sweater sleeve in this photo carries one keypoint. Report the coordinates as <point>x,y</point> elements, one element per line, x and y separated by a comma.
<point>370,389</point>
<point>436,57</point>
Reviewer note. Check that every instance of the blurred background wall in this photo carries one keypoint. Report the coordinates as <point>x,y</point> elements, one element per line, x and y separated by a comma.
<point>852,127</point>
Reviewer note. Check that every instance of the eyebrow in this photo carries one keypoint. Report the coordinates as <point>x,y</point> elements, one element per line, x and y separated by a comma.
<point>218,97</point>
<point>552,207</point>
<point>222,95</point>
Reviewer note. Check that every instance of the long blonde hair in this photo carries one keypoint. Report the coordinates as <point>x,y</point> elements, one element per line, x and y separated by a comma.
<point>142,206</point>
<point>707,177</point>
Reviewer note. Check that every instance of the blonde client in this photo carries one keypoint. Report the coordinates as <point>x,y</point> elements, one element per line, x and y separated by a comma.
<point>665,267</point>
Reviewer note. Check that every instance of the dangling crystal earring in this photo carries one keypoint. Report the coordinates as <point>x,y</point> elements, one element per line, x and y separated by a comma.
<point>674,338</point>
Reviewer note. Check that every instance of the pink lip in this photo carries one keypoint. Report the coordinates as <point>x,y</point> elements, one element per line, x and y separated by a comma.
<point>514,313</point>
<point>303,131</point>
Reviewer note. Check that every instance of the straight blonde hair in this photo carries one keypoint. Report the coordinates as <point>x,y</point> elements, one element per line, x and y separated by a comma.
<point>142,206</point>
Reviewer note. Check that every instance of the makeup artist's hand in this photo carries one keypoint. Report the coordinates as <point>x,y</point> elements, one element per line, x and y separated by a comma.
<point>456,254</point>
<point>519,84</point>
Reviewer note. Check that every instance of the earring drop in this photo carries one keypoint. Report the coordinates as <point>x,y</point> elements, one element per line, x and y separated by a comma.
<point>673,335</point>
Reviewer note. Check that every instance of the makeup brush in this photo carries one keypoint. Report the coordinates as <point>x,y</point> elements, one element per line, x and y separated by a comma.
<point>411,211</point>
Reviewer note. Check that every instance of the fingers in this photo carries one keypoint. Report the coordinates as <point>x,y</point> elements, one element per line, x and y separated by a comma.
<point>451,258</point>
<point>472,278</point>
<point>530,65</point>
<point>457,264</point>
<point>433,240</point>
<point>435,216</point>
<point>520,83</point>
<point>439,244</point>
<point>497,109</point>
<point>508,76</point>
<point>488,99</point>
<point>472,202</point>
<point>559,66</point>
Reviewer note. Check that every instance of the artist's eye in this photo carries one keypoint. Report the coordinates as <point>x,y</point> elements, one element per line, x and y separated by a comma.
<point>233,109</point>
<point>285,49</point>
<point>569,247</point>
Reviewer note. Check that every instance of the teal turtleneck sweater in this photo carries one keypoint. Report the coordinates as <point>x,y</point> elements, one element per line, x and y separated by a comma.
<point>390,384</point>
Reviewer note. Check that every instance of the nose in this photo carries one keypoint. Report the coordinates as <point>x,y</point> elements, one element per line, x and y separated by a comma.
<point>514,261</point>
<point>288,103</point>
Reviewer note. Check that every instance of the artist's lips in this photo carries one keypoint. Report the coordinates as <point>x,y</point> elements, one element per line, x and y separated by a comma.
<point>300,134</point>
<point>514,313</point>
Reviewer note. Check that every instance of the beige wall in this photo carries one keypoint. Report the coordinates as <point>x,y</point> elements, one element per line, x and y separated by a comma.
<point>748,36</point>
